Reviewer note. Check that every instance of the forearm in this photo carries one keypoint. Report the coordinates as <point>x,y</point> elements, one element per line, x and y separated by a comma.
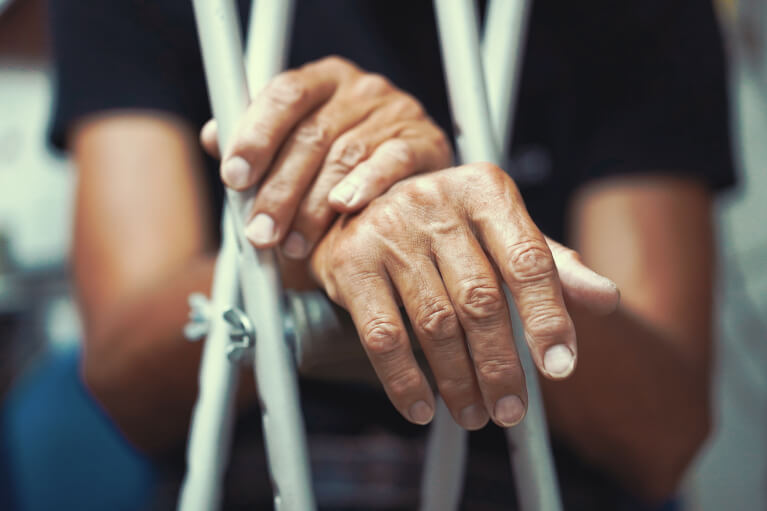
<point>140,367</point>
<point>138,364</point>
<point>635,405</point>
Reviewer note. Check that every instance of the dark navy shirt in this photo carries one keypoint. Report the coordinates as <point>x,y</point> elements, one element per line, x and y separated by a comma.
<point>609,88</point>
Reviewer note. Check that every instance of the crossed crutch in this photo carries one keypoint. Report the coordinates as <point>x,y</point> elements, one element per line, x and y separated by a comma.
<point>246,288</point>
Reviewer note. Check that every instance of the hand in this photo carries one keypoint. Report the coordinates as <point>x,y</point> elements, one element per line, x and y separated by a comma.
<point>442,244</point>
<point>323,139</point>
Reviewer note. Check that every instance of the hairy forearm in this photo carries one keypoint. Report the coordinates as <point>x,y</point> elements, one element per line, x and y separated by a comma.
<point>635,406</point>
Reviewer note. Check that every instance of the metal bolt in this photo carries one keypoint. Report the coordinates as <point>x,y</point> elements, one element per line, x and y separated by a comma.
<point>241,333</point>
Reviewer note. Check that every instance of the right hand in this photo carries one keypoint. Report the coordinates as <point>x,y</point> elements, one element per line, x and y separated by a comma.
<point>442,244</point>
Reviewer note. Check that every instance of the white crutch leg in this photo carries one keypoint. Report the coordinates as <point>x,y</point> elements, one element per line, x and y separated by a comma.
<point>266,49</point>
<point>445,462</point>
<point>287,453</point>
<point>503,45</point>
<point>211,427</point>
<point>536,482</point>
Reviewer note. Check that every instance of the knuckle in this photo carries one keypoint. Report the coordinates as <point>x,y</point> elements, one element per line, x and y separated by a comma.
<point>338,258</point>
<point>422,191</point>
<point>489,176</point>
<point>259,137</point>
<point>456,385</point>
<point>406,106</point>
<point>314,135</point>
<point>530,261</point>
<point>275,193</point>
<point>336,61</point>
<point>487,169</point>
<point>285,91</point>
<point>437,320</point>
<point>481,300</point>
<point>371,85</point>
<point>400,151</point>
<point>346,154</point>
<point>548,324</point>
<point>405,382</point>
<point>382,338</point>
<point>349,256</point>
<point>498,371</point>
<point>382,226</point>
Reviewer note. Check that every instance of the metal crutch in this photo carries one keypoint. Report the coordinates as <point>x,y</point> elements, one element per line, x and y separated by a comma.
<point>506,23</point>
<point>286,448</point>
<point>450,419</point>
<point>536,483</point>
<point>502,50</point>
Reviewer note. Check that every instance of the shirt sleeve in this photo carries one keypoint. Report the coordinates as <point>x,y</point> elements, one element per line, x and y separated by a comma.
<point>124,54</point>
<point>650,78</point>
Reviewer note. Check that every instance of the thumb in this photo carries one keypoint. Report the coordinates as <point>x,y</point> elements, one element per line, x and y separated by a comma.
<point>581,284</point>
<point>209,138</point>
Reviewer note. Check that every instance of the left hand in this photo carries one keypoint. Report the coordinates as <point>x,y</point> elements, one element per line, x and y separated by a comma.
<point>322,139</point>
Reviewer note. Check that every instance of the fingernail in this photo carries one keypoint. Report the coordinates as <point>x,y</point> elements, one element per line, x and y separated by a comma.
<point>260,230</point>
<point>474,417</point>
<point>598,279</point>
<point>559,361</point>
<point>421,412</point>
<point>509,411</point>
<point>295,246</point>
<point>343,193</point>
<point>235,172</point>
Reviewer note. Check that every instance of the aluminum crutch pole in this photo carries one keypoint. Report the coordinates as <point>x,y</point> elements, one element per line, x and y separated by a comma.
<point>286,448</point>
<point>537,486</point>
<point>505,33</point>
<point>503,45</point>
<point>266,49</point>
<point>212,418</point>
<point>445,462</point>
<point>502,51</point>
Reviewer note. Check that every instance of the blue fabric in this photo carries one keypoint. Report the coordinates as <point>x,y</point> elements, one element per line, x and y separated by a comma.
<point>61,452</point>
<point>7,500</point>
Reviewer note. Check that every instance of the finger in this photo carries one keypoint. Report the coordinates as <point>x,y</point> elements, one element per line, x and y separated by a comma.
<point>347,152</point>
<point>476,292</point>
<point>580,283</point>
<point>370,301</point>
<point>522,256</point>
<point>436,325</point>
<point>314,214</point>
<point>287,99</point>
<point>421,149</point>
<point>209,138</point>
<point>295,168</point>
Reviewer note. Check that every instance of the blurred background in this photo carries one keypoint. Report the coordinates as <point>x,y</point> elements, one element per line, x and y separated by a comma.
<point>55,443</point>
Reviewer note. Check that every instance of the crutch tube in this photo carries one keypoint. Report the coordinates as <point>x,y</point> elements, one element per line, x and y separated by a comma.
<point>211,426</point>
<point>505,30</point>
<point>275,373</point>
<point>445,462</point>
<point>503,44</point>
<point>266,49</point>
<point>536,482</point>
